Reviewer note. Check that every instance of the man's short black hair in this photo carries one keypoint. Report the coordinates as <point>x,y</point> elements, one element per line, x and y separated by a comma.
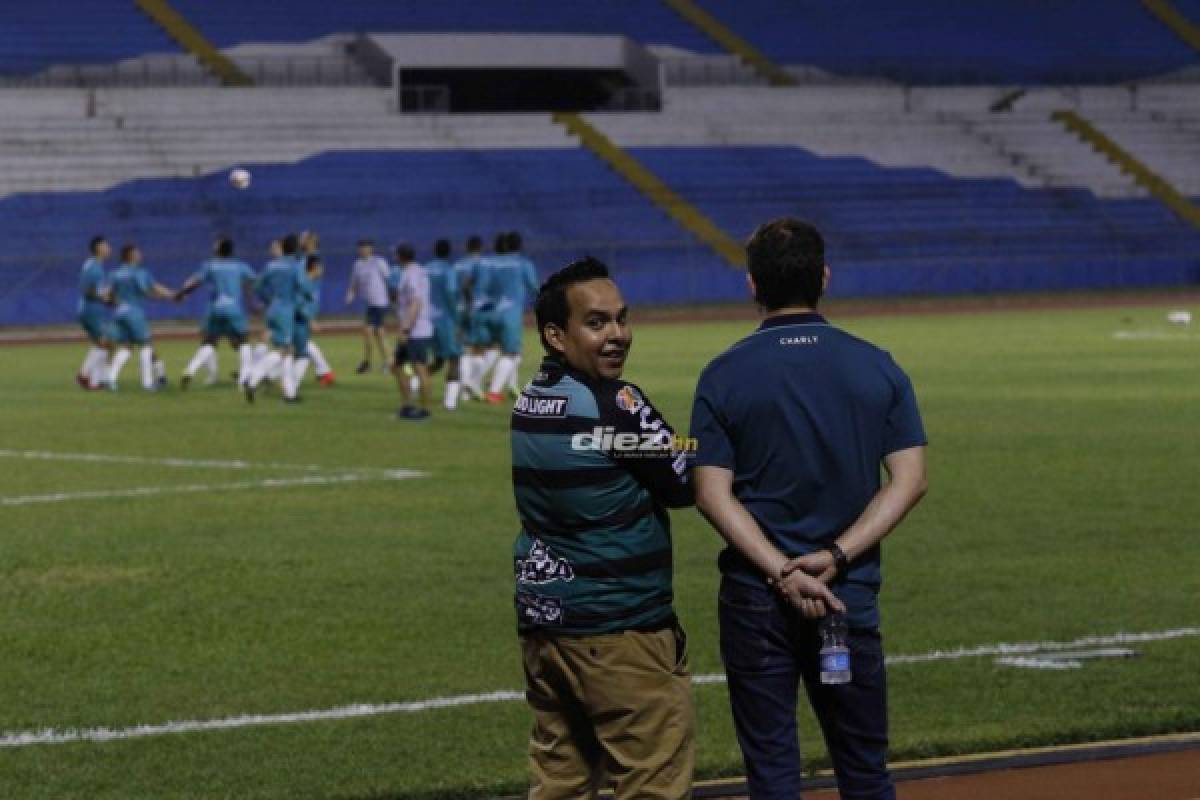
<point>95,242</point>
<point>290,244</point>
<point>405,253</point>
<point>786,259</point>
<point>366,242</point>
<point>224,248</point>
<point>551,307</point>
<point>474,244</point>
<point>441,248</point>
<point>127,251</point>
<point>514,242</point>
<point>500,245</point>
<point>313,260</point>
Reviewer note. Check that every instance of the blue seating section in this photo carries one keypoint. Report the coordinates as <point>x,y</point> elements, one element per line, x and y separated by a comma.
<point>889,231</point>
<point>36,35</point>
<point>977,41</point>
<point>917,231</point>
<point>226,22</point>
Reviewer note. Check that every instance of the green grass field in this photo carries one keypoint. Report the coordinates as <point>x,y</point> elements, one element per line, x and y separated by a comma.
<point>1062,505</point>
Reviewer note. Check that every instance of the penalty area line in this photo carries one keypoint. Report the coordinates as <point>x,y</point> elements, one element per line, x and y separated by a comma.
<point>190,463</point>
<point>53,736</point>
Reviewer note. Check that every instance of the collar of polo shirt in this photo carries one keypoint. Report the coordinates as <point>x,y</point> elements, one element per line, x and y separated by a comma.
<point>798,318</point>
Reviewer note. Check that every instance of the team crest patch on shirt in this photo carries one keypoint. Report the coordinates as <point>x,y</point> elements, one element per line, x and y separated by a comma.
<point>542,566</point>
<point>630,399</point>
<point>532,405</point>
<point>536,609</point>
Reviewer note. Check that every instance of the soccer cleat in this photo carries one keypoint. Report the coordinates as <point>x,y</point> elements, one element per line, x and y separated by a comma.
<point>363,368</point>
<point>412,413</point>
<point>494,398</point>
<point>82,380</point>
<point>328,379</point>
<point>184,382</point>
<point>293,400</point>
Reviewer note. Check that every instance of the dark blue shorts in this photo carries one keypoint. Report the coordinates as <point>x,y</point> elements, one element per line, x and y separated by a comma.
<point>414,351</point>
<point>375,315</point>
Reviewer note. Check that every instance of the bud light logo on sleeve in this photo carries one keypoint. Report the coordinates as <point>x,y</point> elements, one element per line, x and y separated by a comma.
<point>546,406</point>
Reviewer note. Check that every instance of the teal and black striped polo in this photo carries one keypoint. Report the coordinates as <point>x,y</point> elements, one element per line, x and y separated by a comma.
<point>595,467</point>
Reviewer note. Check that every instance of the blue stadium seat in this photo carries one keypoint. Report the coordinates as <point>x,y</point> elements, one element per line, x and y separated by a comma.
<point>978,42</point>
<point>228,22</point>
<point>889,231</point>
<point>37,35</point>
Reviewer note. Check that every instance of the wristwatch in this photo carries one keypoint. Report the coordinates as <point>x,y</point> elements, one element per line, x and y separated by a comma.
<point>840,563</point>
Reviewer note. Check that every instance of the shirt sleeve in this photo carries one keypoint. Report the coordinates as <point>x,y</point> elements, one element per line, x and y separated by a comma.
<point>645,444</point>
<point>710,430</point>
<point>903,428</point>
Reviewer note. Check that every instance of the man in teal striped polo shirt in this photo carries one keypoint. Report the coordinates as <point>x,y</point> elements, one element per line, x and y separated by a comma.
<point>595,468</point>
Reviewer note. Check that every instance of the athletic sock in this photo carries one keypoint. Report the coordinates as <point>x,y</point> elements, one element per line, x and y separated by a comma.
<point>114,369</point>
<point>513,379</point>
<point>95,358</point>
<point>214,369</point>
<point>486,362</point>
<point>504,368</point>
<point>199,359</point>
<point>246,363</point>
<point>287,376</point>
<point>94,354</point>
<point>99,372</point>
<point>299,370</point>
<point>146,358</point>
<point>452,390</point>
<point>263,366</point>
<point>160,369</point>
<point>320,365</point>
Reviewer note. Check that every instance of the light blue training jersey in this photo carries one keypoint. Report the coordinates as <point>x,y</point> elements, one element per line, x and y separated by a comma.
<point>91,281</point>
<point>443,288</point>
<point>511,279</point>
<point>131,284</point>
<point>278,285</point>
<point>224,278</point>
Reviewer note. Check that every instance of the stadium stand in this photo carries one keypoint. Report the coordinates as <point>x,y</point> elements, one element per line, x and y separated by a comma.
<point>36,36</point>
<point>230,23</point>
<point>1024,42</point>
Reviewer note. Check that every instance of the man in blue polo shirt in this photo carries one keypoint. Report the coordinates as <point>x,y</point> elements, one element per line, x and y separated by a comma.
<point>792,424</point>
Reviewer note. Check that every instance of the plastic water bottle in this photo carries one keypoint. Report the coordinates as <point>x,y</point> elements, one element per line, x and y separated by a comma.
<point>835,656</point>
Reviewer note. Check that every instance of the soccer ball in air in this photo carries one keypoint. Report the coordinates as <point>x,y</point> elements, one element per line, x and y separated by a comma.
<point>239,178</point>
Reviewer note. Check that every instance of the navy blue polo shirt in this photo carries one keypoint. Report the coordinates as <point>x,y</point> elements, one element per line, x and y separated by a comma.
<point>803,413</point>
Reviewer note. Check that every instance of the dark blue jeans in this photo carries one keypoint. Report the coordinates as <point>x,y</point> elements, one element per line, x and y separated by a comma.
<point>767,649</point>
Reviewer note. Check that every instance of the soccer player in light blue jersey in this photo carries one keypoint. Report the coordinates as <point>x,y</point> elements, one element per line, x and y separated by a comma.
<point>226,280</point>
<point>481,344</point>
<point>307,300</point>
<point>512,280</point>
<point>93,316</point>
<point>128,287</point>
<point>470,362</point>
<point>443,311</point>
<point>279,287</point>
<point>310,245</point>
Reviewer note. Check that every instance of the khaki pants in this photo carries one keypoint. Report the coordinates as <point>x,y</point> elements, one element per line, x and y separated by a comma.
<point>613,709</point>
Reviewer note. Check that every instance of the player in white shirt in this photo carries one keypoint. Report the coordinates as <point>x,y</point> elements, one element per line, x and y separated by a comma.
<point>414,340</point>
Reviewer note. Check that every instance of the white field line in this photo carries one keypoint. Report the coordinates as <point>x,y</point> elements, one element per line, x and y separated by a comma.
<point>204,488</point>
<point>314,478</point>
<point>101,458</point>
<point>1032,662</point>
<point>1152,336</point>
<point>52,736</point>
